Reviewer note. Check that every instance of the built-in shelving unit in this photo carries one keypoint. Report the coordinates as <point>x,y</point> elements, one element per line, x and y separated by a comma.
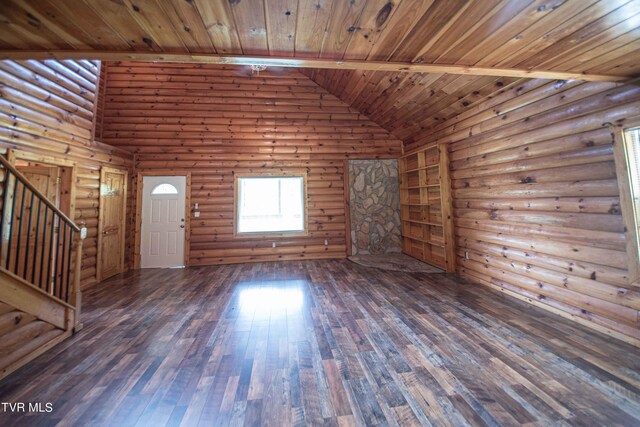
<point>425,207</point>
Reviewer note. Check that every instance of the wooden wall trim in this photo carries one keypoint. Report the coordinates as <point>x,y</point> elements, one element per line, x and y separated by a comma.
<point>96,103</point>
<point>188,212</point>
<point>446,202</point>
<point>137,229</point>
<point>347,207</point>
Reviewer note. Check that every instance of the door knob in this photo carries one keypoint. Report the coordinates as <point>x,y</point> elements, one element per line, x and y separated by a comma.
<point>182,226</point>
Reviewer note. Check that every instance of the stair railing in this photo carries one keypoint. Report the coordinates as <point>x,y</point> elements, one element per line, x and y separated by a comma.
<point>38,242</point>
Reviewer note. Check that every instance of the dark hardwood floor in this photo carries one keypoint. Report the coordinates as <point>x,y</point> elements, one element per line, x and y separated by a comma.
<point>323,343</point>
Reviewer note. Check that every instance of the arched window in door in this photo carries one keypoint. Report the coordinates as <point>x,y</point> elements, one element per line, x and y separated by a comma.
<point>162,189</point>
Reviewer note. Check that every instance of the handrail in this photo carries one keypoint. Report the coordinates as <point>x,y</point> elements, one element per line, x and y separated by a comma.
<point>38,242</point>
<point>41,196</point>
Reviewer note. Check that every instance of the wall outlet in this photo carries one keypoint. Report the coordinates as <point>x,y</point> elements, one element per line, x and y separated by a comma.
<point>196,214</point>
<point>273,245</point>
<point>197,205</point>
<point>326,242</point>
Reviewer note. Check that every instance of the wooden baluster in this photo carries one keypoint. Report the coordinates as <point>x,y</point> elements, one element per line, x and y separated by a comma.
<point>76,297</point>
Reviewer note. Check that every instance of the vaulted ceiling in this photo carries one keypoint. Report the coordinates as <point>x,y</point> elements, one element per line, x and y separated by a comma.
<point>600,38</point>
<point>409,104</point>
<point>568,35</point>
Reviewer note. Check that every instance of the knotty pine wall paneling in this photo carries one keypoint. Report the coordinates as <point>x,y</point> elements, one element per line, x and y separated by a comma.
<point>536,201</point>
<point>46,114</point>
<point>218,121</point>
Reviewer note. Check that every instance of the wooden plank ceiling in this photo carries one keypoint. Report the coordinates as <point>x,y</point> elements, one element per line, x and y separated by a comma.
<point>591,36</point>
<point>408,105</point>
<point>579,36</point>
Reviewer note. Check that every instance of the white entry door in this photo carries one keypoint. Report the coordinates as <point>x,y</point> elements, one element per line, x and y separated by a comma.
<point>163,221</point>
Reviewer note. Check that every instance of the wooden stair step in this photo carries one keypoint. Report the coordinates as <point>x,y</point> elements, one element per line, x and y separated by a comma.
<point>12,320</point>
<point>29,346</point>
<point>17,338</point>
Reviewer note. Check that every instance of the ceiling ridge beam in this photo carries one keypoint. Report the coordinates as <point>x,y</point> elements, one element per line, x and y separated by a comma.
<point>306,63</point>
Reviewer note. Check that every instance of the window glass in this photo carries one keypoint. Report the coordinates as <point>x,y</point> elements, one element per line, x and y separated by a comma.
<point>632,147</point>
<point>270,204</point>
<point>164,189</point>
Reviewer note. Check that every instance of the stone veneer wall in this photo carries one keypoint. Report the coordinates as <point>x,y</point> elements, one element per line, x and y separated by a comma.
<point>375,207</point>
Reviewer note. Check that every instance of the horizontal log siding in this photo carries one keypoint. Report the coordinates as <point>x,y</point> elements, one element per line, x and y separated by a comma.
<point>46,108</point>
<point>536,200</point>
<point>217,122</point>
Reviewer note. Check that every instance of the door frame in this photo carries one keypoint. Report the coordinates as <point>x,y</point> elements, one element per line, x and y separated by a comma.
<point>123,222</point>
<point>67,185</point>
<point>68,175</point>
<point>138,209</point>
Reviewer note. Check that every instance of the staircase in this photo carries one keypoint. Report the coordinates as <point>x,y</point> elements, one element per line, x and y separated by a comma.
<point>22,335</point>
<point>40,257</point>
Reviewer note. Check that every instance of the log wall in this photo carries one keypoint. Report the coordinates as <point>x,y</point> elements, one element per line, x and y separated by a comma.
<point>46,112</point>
<point>536,200</point>
<point>215,122</point>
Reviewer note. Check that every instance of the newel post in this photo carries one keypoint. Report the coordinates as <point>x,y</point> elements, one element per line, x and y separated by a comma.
<point>77,301</point>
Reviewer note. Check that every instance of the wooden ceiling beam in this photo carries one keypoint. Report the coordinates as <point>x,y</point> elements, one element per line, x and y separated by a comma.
<point>307,63</point>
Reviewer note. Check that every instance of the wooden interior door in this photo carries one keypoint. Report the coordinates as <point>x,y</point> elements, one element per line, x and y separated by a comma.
<point>45,178</point>
<point>111,229</point>
<point>32,227</point>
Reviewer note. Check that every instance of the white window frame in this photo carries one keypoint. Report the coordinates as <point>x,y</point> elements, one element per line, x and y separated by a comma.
<point>236,201</point>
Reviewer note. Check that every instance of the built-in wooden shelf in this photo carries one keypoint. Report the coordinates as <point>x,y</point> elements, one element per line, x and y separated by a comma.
<point>424,186</point>
<point>435,165</point>
<point>422,222</point>
<point>425,207</point>
<point>433,203</point>
<point>430,242</point>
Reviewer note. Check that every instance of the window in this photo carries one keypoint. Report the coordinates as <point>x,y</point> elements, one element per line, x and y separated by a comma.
<point>632,151</point>
<point>627,156</point>
<point>270,204</point>
<point>162,189</point>
<point>632,147</point>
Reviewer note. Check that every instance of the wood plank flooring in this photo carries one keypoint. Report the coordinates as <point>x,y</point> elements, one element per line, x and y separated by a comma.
<point>323,343</point>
